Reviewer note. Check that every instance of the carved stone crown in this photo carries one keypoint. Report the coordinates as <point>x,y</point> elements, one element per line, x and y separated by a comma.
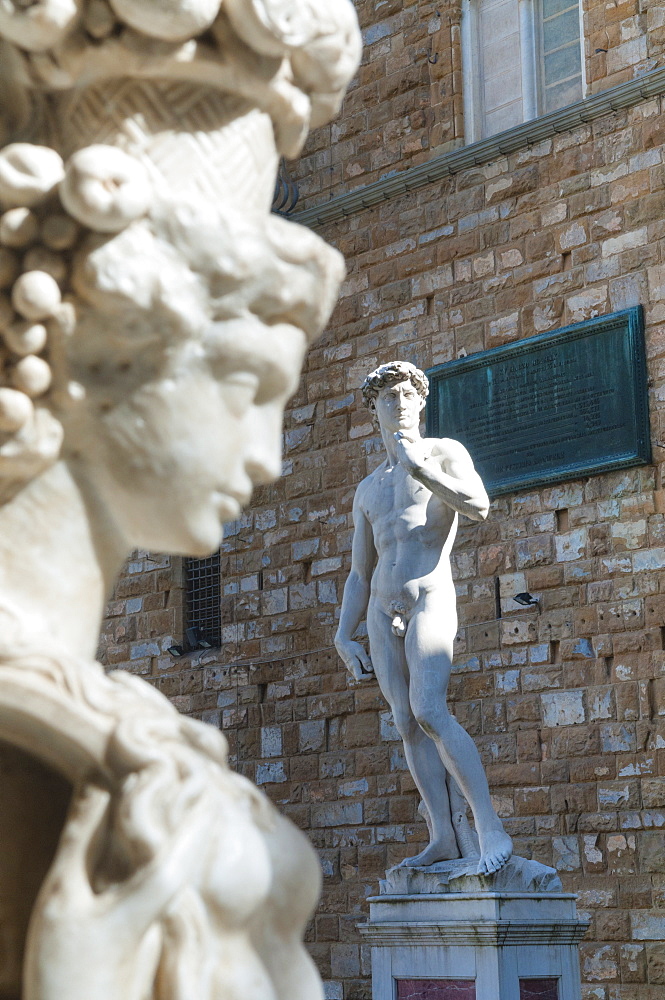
<point>290,58</point>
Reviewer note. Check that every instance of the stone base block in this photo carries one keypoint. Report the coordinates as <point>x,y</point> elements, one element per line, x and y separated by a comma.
<point>461,936</point>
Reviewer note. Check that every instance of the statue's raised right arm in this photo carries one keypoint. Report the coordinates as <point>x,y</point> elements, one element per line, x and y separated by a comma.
<point>446,469</point>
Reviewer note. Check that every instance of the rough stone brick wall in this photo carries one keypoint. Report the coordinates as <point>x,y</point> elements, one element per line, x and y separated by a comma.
<point>624,40</point>
<point>566,702</point>
<point>143,618</point>
<point>406,103</point>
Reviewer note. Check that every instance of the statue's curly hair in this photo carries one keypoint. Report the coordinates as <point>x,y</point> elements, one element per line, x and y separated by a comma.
<point>391,373</point>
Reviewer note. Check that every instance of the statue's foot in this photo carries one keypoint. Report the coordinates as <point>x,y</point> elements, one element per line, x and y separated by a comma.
<point>495,849</point>
<point>444,849</point>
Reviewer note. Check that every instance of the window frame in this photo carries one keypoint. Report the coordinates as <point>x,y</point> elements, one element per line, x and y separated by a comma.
<point>530,22</point>
<point>539,47</point>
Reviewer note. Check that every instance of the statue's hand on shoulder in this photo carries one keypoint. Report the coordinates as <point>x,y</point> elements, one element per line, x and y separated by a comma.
<point>410,451</point>
<point>356,660</point>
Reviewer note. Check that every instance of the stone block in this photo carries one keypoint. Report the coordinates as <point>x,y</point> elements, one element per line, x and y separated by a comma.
<point>517,632</point>
<point>361,730</point>
<point>652,856</point>
<point>655,954</point>
<point>312,735</point>
<point>274,602</point>
<point>388,729</point>
<point>345,960</point>
<point>332,814</point>
<point>600,963</point>
<point>570,545</point>
<point>648,925</point>
<point>616,738</point>
<point>633,963</point>
<point>532,801</point>
<point>563,708</point>
<point>271,741</point>
<point>272,773</point>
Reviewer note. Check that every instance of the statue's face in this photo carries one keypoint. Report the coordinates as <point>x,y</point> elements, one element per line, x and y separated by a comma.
<point>398,407</point>
<point>183,407</point>
<point>181,455</point>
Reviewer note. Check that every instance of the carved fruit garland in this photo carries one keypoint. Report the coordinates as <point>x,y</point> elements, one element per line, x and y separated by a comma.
<point>101,189</point>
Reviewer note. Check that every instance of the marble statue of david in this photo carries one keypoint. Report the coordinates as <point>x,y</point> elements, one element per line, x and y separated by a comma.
<point>405,516</point>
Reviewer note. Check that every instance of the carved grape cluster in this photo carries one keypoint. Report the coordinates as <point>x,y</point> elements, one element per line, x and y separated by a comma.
<point>48,205</point>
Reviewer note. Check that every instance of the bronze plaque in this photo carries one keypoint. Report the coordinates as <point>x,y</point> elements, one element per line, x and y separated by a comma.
<point>557,406</point>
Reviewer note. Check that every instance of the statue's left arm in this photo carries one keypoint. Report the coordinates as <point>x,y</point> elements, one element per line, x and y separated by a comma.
<point>447,471</point>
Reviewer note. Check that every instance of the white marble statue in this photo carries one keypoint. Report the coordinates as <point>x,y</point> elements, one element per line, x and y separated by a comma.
<point>153,320</point>
<point>405,517</point>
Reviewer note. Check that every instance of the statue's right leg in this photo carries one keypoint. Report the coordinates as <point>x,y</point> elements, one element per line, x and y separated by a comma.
<point>422,757</point>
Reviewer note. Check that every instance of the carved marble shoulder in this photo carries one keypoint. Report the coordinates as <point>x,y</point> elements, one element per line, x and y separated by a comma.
<point>447,448</point>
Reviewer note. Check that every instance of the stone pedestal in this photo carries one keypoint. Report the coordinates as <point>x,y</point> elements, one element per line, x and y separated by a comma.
<point>445,933</point>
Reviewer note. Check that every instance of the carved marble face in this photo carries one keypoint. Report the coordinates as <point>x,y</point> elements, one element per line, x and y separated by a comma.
<point>185,354</point>
<point>398,407</point>
<point>181,455</point>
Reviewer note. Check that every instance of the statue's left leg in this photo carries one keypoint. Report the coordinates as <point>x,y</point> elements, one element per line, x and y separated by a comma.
<point>428,647</point>
<point>421,755</point>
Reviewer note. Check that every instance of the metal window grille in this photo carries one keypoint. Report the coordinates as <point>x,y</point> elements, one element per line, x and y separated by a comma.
<point>204,599</point>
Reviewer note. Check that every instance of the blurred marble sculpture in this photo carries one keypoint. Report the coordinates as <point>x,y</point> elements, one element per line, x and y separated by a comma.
<point>154,320</point>
<point>405,517</point>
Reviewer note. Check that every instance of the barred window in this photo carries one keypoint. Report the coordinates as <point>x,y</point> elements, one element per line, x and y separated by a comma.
<point>203,601</point>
